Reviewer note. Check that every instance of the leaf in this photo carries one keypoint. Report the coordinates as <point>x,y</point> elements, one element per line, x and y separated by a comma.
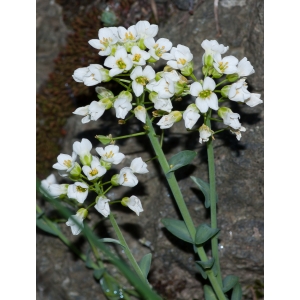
<point>145,264</point>
<point>41,223</point>
<point>89,262</point>
<point>209,293</point>
<point>201,271</point>
<point>98,273</point>
<point>109,240</point>
<point>178,228</point>
<point>204,233</point>
<point>237,292</point>
<point>204,187</point>
<point>181,159</point>
<point>109,287</point>
<point>104,139</point>
<point>229,282</point>
<point>206,264</point>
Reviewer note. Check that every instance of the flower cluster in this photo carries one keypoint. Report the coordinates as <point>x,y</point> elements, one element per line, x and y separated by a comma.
<point>88,176</point>
<point>130,54</point>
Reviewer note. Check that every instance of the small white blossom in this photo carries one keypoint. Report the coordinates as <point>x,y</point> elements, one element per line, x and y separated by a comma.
<point>211,49</point>
<point>167,121</point>
<point>45,183</point>
<point>138,166</point>
<point>78,191</point>
<point>102,206</point>
<point>122,106</point>
<point>82,149</point>
<point>91,75</point>
<point>140,78</point>
<point>237,132</point>
<point>95,170</point>
<point>253,100</point>
<point>57,190</point>
<point>191,116</point>
<point>140,113</point>
<point>118,63</point>
<point>238,91</point>
<point>232,119</point>
<point>245,68</point>
<point>205,97</point>
<point>159,103</point>
<point>110,154</point>
<point>127,178</point>
<point>138,56</point>
<point>134,203</point>
<point>145,30</point>
<point>179,57</point>
<point>164,87</point>
<point>91,112</point>
<point>76,221</point>
<point>65,162</point>
<point>127,35</point>
<point>205,132</point>
<point>107,38</point>
<point>225,65</point>
<point>158,49</point>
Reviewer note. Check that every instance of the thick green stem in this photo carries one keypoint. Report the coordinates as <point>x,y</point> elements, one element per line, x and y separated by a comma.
<point>181,204</point>
<point>213,202</point>
<point>128,253</point>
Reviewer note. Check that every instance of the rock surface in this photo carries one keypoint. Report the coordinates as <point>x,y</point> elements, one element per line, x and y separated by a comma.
<point>239,169</point>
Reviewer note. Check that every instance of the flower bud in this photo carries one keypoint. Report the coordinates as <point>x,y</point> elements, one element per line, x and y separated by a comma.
<point>188,69</point>
<point>216,74</point>
<point>225,90</point>
<point>126,94</point>
<point>176,116</point>
<point>105,164</point>
<point>232,77</point>
<point>151,60</point>
<point>115,180</point>
<point>104,93</point>
<point>75,172</point>
<point>82,213</point>
<point>208,60</point>
<point>124,201</point>
<point>107,102</point>
<point>222,111</point>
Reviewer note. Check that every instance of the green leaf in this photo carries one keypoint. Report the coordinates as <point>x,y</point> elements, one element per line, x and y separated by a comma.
<point>204,187</point>
<point>229,282</point>
<point>181,159</point>
<point>109,240</point>
<point>178,228</point>
<point>206,264</point>
<point>104,139</point>
<point>109,287</point>
<point>237,292</point>
<point>201,271</point>
<point>42,224</point>
<point>98,273</point>
<point>209,293</point>
<point>89,262</point>
<point>145,264</point>
<point>204,233</point>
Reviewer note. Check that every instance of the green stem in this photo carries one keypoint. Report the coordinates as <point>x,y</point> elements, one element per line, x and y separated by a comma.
<point>181,204</point>
<point>194,77</point>
<point>221,82</point>
<point>126,248</point>
<point>129,136</point>
<point>213,201</point>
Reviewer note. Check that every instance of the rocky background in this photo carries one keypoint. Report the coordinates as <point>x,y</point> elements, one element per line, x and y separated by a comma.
<point>239,165</point>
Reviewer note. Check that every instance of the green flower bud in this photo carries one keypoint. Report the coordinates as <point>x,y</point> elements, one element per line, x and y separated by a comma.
<point>107,102</point>
<point>141,44</point>
<point>188,69</point>
<point>223,110</point>
<point>105,164</point>
<point>152,60</point>
<point>153,96</point>
<point>75,172</point>
<point>82,212</point>
<point>86,159</point>
<point>232,77</point>
<point>225,90</point>
<point>115,180</point>
<point>125,201</point>
<point>128,45</point>
<point>176,116</point>
<point>216,74</point>
<point>126,94</point>
<point>104,93</point>
<point>208,60</point>
<point>105,75</point>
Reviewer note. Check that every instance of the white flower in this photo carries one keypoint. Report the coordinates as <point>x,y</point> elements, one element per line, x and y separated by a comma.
<point>127,35</point>
<point>164,87</point>
<point>107,38</point>
<point>91,75</point>
<point>138,166</point>
<point>78,191</point>
<point>191,116</point>
<point>237,132</point>
<point>205,96</point>
<point>45,183</point>
<point>122,107</point>
<point>225,65</point>
<point>91,112</point>
<point>102,206</point>
<point>205,132</point>
<point>65,162</point>
<point>179,57</point>
<point>57,190</point>
<point>134,203</point>
<point>140,78</point>
<point>95,171</point>
<point>158,49</point>
<point>232,119</point>
<point>127,178</point>
<point>159,103</point>
<point>76,221</point>
<point>211,48</point>
<point>145,30</point>
<point>238,91</point>
<point>83,149</point>
<point>110,154</point>
<point>140,113</point>
<point>168,120</point>
<point>253,100</point>
<point>118,63</point>
<point>245,68</point>
<point>138,56</point>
